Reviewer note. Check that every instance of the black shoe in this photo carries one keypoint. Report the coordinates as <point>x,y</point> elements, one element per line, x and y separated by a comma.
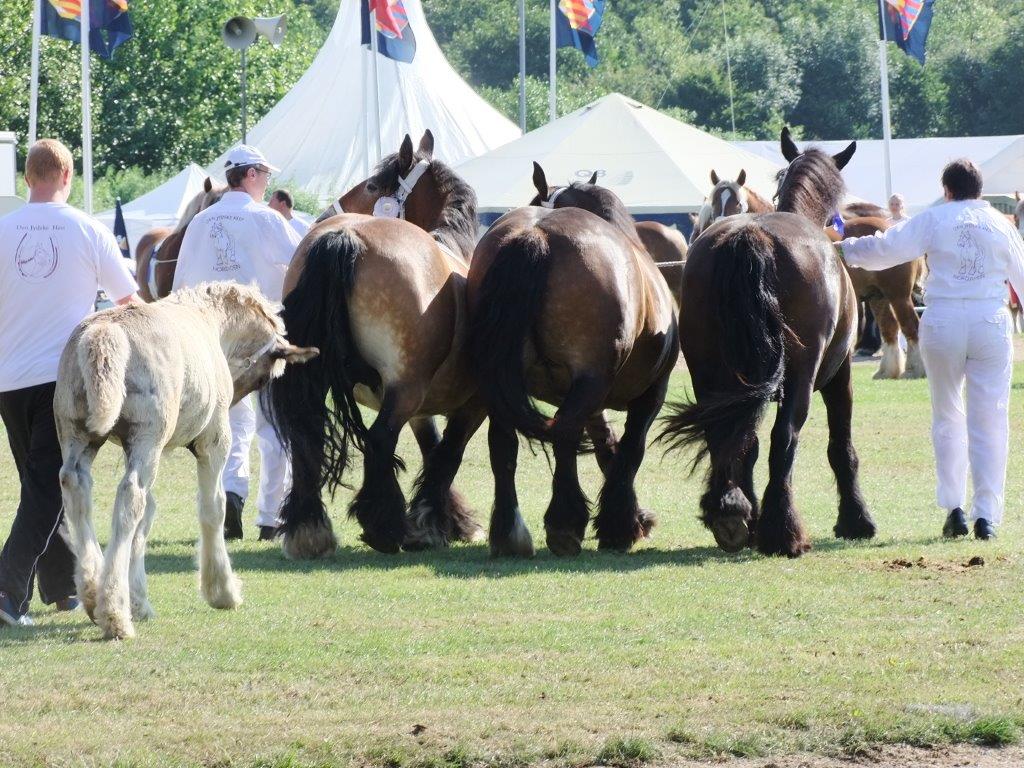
<point>11,614</point>
<point>956,525</point>
<point>984,530</point>
<point>233,516</point>
<point>71,603</point>
<point>268,532</point>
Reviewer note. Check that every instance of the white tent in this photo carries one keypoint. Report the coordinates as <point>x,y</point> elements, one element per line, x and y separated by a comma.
<point>160,207</point>
<point>916,164</point>
<point>653,162</point>
<point>1004,172</point>
<point>321,133</point>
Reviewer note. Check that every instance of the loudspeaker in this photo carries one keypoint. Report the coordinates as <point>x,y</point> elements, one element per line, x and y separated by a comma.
<point>272,28</point>
<point>238,33</point>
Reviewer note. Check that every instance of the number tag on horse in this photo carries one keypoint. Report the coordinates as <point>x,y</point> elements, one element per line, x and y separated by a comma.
<point>387,208</point>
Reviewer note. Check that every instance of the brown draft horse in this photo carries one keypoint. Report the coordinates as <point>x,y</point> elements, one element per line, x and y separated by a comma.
<point>889,293</point>
<point>728,198</point>
<point>155,276</point>
<point>566,306</point>
<point>385,299</point>
<point>769,314</point>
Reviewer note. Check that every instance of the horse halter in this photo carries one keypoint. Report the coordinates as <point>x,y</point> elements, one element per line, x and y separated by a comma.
<point>393,206</point>
<point>251,360</point>
<point>550,202</point>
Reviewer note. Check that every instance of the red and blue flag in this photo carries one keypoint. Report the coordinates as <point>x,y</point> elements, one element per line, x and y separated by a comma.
<point>109,23</point>
<point>577,23</point>
<point>906,23</point>
<point>395,38</point>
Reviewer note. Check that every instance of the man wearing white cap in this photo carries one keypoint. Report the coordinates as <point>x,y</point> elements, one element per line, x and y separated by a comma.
<point>240,239</point>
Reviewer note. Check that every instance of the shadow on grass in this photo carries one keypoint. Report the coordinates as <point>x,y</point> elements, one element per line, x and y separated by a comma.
<point>474,561</point>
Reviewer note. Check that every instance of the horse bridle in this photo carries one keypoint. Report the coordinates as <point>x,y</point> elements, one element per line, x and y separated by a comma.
<point>550,202</point>
<point>251,360</point>
<point>406,184</point>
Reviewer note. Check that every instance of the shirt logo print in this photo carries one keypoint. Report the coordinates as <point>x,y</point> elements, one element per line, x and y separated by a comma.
<point>224,247</point>
<point>36,257</point>
<point>972,259</point>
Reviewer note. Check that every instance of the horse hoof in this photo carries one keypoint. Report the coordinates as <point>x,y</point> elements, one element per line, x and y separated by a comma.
<point>859,528</point>
<point>646,521</point>
<point>780,548</point>
<point>564,543</point>
<point>309,541</point>
<point>731,533</point>
<point>382,543</point>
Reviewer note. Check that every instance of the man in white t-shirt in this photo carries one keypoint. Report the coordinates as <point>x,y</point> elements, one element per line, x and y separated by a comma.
<point>281,201</point>
<point>53,260</point>
<point>240,239</point>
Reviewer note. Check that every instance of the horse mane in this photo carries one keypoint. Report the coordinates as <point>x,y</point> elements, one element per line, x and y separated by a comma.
<point>811,186</point>
<point>195,205</point>
<point>457,226</point>
<point>231,299</point>
<point>604,203</point>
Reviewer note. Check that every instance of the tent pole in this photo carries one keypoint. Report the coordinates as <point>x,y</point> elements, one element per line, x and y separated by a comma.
<point>367,147</point>
<point>883,66</point>
<point>376,77</point>
<point>33,105</point>
<point>86,109</point>
<point>522,65</point>
<point>552,68</point>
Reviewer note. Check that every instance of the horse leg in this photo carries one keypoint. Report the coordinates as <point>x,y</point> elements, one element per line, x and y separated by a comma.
<point>746,485</point>
<point>218,583</point>
<point>76,488</point>
<point>891,366</point>
<point>439,514</point>
<point>620,521</point>
<point>138,591</point>
<point>602,435</point>
<point>379,506</point>
<point>779,530</point>
<point>903,308</point>
<point>508,535</point>
<point>113,611</point>
<point>729,503</point>
<point>854,521</point>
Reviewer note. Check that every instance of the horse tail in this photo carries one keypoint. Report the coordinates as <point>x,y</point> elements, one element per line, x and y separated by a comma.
<point>511,296</point>
<point>103,352</point>
<point>752,333</point>
<point>314,410</point>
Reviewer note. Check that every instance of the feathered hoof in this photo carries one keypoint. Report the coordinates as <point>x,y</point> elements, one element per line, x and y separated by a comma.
<point>782,547</point>
<point>142,611</point>
<point>645,520</point>
<point>382,542</point>
<point>116,626</point>
<point>225,595</point>
<point>563,543</point>
<point>518,543</point>
<point>422,537</point>
<point>731,532</point>
<point>309,541</point>
<point>861,527</point>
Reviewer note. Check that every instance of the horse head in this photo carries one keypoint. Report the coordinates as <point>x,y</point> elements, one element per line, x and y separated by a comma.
<point>587,195</point>
<point>728,197</point>
<point>812,184</point>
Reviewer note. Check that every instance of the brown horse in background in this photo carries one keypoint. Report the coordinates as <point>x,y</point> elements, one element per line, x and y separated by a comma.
<point>768,313</point>
<point>385,299</point>
<point>728,198</point>
<point>668,247</point>
<point>889,293</point>
<point>155,276</point>
<point>566,306</point>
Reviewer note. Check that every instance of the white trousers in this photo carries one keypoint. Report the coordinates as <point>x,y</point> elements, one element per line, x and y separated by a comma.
<point>275,469</point>
<point>969,339</point>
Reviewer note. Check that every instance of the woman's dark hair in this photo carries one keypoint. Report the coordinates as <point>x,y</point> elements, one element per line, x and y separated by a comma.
<point>963,179</point>
<point>234,176</point>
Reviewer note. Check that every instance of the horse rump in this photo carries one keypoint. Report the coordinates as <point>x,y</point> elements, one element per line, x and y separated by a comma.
<point>742,288</point>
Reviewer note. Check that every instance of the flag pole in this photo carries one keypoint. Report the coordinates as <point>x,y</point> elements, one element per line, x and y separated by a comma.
<point>883,66</point>
<point>728,69</point>
<point>522,65</point>
<point>33,106</point>
<point>376,75</point>
<point>552,68</point>
<point>367,145</point>
<point>86,110</point>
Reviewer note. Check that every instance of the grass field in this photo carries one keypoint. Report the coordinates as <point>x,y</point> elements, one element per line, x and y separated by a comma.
<point>449,659</point>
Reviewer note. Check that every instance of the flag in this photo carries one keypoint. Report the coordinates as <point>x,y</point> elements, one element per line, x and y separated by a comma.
<point>109,23</point>
<point>906,23</point>
<point>395,38</point>
<point>120,230</point>
<point>576,25</point>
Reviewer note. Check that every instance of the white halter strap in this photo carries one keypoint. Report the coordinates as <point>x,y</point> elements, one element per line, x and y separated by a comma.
<point>406,185</point>
<point>550,202</point>
<point>251,360</point>
<point>336,207</point>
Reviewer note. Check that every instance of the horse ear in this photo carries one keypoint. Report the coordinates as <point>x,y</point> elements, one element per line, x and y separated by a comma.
<point>844,157</point>
<point>593,178</point>
<point>742,178</point>
<point>208,184</point>
<point>405,155</point>
<point>714,176</point>
<point>789,149</point>
<point>427,144</point>
<point>540,181</point>
<point>294,355</point>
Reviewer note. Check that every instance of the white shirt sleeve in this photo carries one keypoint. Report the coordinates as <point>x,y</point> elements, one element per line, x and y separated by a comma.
<point>902,242</point>
<point>282,239</point>
<point>112,271</point>
<point>1015,259</point>
<point>185,251</point>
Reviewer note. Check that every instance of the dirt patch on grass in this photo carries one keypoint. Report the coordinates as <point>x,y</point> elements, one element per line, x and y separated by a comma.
<point>885,757</point>
<point>952,566</point>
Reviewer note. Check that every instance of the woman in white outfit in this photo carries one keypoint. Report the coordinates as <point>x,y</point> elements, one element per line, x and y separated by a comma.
<point>965,333</point>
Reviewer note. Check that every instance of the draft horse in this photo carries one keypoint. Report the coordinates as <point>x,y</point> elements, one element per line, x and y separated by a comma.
<point>385,300</point>
<point>567,307</point>
<point>156,256</point>
<point>769,314</point>
<point>728,198</point>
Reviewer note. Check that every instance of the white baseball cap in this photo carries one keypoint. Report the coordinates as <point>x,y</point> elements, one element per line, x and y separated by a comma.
<point>244,154</point>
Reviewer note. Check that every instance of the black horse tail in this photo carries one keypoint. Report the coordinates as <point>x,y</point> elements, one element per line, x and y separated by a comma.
<point>511,296</point>
<point>314,410</point>
<point>752,334</point>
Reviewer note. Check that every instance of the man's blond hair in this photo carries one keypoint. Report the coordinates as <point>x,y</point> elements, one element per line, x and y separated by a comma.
<point>47,161</point>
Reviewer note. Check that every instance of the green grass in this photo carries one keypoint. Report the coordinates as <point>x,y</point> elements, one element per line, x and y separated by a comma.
<point>450,660</point>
